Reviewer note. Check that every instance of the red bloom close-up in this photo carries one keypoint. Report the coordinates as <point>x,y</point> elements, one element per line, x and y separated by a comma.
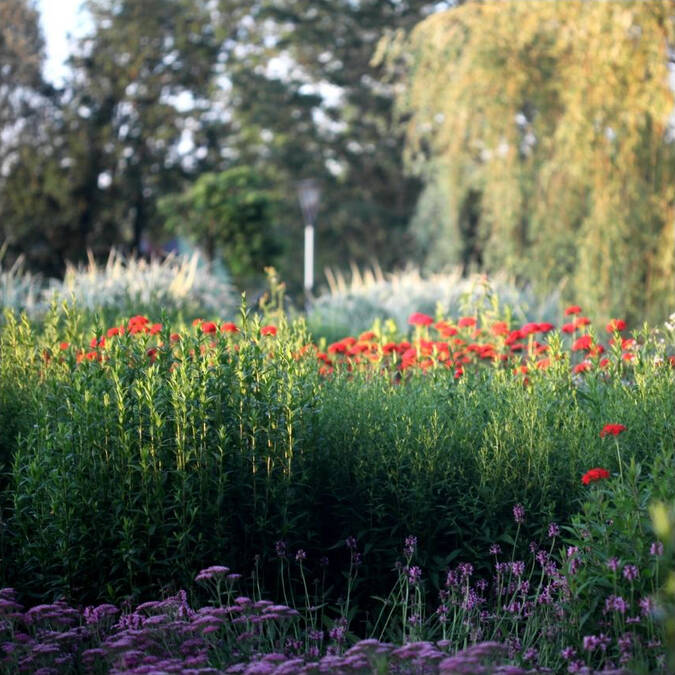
<point>419,319</point>
<point>573,309</point>
<point>466,322</point>
<point>584,342</point>
<point>268,330</point>
<point>616,325</point>
<point>612,430</point>
<point>229,328</point>
<point>594,474</point>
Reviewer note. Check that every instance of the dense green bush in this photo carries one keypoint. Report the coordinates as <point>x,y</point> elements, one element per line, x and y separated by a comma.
<point>138,461</point>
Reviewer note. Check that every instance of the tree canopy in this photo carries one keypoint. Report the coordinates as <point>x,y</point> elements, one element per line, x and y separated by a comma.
<point>544,134</point>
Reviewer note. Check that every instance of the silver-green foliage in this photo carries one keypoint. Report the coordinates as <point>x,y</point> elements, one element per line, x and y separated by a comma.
<point>353,306</point>
<point>126,284</point>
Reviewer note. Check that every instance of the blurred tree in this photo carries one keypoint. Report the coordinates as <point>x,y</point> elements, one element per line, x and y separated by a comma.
<point>130,124</point>
<point>230,214</point>
<point>140,81</point>
<point>21,57</point>
<point>305,98</point>
<point>30,185</point>
<point>548,129</point>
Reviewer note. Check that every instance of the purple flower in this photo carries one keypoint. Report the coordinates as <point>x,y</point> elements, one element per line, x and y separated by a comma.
<point>465,569</point>
<point>280,548</point>
<point>615,603</point>
<point>631,572</point>
<point>656,549</point>
<point>519,514</point>
<point>573,559</point>
<point>210,572</point>
<point>518,568</point>
<point>568,653</point>
<point>531,654</point>
<point>410,546</point>
<point>613,564</point>
<point>495,549</point>
<point>300,555</point>
<point>553,530</point>
<point>625,642</point>
<point>350,543</point>
<point>452,579</point>
<point>593,642</point>
<point>646,605</point>
<point>414,575</point>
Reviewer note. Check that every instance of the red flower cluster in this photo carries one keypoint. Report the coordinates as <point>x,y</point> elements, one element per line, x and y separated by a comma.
<point>612,430</point>
<point>419,319</point>
<point>594,474</point>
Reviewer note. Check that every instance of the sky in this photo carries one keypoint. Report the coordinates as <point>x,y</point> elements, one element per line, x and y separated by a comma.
<point>59,18</point>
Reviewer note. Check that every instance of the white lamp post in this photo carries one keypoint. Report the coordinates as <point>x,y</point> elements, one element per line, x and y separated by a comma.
<point>309,194</point>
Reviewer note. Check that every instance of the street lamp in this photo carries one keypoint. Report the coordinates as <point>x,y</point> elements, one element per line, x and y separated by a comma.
<point>309,194</point>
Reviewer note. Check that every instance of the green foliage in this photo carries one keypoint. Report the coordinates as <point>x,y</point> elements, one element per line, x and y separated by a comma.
<point>613,539</point>
<point>168,454</point>
<point>543,131</point>
<point>232,214</point>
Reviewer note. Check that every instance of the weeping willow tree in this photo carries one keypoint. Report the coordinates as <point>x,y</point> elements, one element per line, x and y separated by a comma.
<point>544,133</point>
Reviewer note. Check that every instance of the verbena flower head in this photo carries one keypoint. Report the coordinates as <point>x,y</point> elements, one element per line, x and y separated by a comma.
<point>613,564</point>
<point>656,549</point>
<point>553,530</point>
<point>631,572</point>
<point>519,513</point>
<point>410,546</point>
<point>211,572</point>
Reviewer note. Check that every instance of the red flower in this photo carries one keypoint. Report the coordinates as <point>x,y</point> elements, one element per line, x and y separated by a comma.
<point>268,330</point>
<point>499,328</point>
<point>584,342</point>
<point>616,324</point>
<point>209,327</point>
<point>573,309</point>
<point>419,319</point>
<point>367,336</point>
<point>612,430</point>
<point>138,320</point>
<point>582,367</point>
<point>229,328</point>
<point>467,322</point>
<point>568,328</point>
<point>64,345</point>
<point>582,321</point>
<point>594,474</point>
<point>529,328</point>
<point>546,327</point>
